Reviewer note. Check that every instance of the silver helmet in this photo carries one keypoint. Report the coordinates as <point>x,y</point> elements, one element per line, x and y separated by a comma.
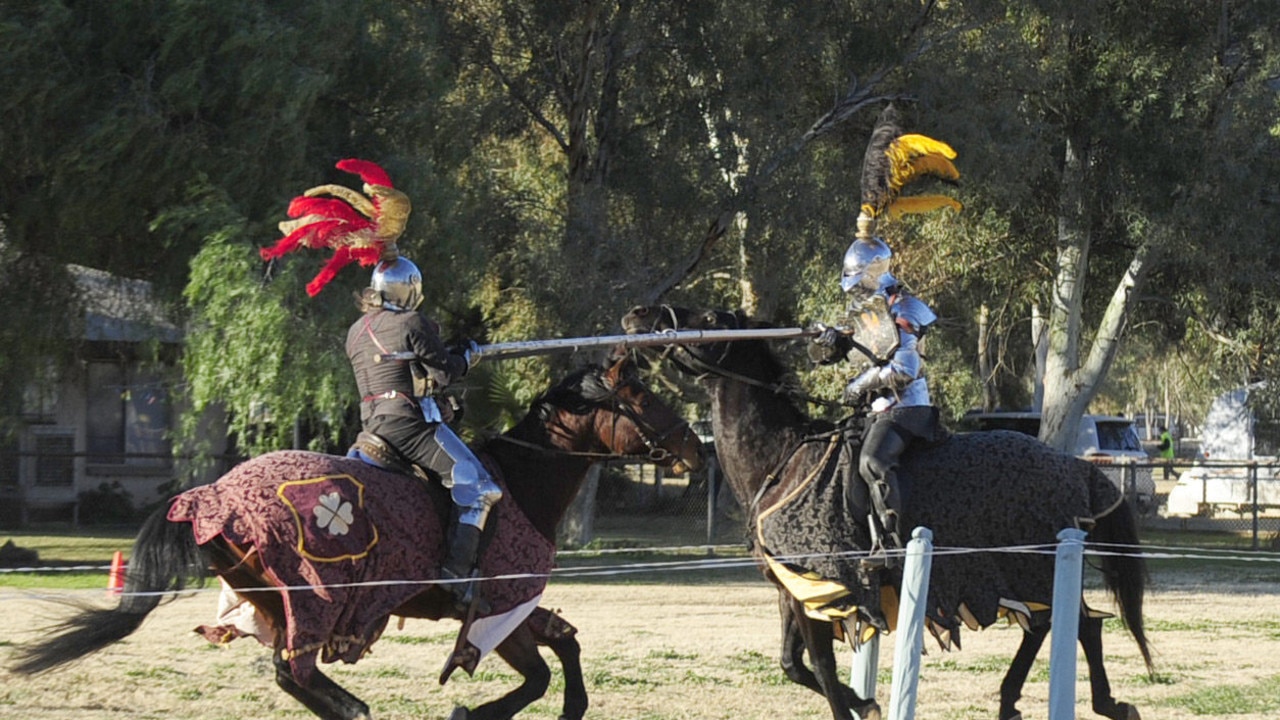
<point>866,269</point>
<point>399,282</point>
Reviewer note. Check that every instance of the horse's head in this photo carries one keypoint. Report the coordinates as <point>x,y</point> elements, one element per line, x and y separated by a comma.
<point>663,318</point>
<point>611,408</point>
<point>697,359</point>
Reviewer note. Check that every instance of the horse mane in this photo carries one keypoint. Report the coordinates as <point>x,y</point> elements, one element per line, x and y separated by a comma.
<point>576,393</point>
<point>780,372</point>
<point>777,372</point>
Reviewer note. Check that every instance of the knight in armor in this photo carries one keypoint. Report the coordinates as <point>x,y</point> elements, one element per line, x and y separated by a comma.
<point>401,366</point>
<point>882,332</point>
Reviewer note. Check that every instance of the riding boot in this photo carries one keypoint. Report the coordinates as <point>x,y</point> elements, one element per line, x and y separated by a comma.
<point>869,571</point>
<point>460,563</point>
<point>884,500</point>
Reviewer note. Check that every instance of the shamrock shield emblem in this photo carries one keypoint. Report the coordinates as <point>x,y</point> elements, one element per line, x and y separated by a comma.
<point>330,518</point>
<point>333,514</point>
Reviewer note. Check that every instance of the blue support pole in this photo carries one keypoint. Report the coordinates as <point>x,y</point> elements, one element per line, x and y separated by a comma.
<point>910,642</point>
<point>866,664</point>
<point>1065,619</point>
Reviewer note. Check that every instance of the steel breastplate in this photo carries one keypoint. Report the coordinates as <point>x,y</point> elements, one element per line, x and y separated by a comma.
<point>875,333</point>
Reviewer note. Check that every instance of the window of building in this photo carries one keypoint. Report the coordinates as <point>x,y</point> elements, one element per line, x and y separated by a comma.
<point>9,458</point>
<point>40,397</point>
<point>54,456</point>
<point>127,415</point>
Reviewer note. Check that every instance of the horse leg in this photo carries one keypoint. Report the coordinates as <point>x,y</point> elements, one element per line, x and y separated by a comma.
<point>1104,704</point>
<point>552,631</point>
<point>792,659</point>
<point>520,651</point>
<point>819,637</point>
<point>1016,677</point>
<point>321,696</point>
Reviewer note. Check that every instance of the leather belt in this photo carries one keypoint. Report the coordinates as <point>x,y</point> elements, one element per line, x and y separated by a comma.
<point>388,395</point>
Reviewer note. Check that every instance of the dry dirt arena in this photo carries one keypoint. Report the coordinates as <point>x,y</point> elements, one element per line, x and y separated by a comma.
<point>655,651</point>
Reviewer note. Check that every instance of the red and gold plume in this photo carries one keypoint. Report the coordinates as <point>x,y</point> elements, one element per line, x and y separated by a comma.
<point>893,161</point>
<point>358,228</point>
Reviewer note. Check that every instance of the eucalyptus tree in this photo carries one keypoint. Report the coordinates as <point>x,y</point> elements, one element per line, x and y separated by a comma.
<point>639,134</point>
<point>1108,150</point>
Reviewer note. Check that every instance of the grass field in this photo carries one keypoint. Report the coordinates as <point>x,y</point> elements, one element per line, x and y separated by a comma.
<point>674,640</point>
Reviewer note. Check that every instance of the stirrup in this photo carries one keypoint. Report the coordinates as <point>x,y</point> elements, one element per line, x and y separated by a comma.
<point>465,593</point>
<point>873,617</point>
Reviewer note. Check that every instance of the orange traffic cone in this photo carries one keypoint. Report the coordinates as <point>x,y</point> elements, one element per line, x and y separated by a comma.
<point>115,578</point>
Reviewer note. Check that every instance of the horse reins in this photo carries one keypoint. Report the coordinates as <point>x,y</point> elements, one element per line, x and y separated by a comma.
<point>704,367</point>
<point>695,361</point>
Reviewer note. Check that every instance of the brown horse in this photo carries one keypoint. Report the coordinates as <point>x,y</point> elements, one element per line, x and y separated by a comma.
<point>976,490</point>
<point>325,534</point>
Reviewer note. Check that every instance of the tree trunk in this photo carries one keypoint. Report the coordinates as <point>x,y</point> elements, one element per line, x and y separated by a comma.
<point>986,371</point>
<point>578,527</point>
<point>1069,384</point>
<point>1040,348</point>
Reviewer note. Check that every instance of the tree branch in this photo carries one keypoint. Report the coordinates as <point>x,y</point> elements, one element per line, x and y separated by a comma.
<point>855,99</point>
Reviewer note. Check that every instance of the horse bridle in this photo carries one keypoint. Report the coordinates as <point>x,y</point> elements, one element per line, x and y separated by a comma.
<point>649,435</point>
<point>699,364</point>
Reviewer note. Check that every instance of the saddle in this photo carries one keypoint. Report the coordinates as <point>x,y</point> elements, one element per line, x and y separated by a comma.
<point>376,451</point>
<point>854,431</point>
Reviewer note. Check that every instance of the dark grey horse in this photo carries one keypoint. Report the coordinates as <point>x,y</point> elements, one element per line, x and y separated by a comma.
<point>979,490</point>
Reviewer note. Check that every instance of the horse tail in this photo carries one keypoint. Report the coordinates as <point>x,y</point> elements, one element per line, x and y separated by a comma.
<point>164,559</point>
<point>1124,570</point>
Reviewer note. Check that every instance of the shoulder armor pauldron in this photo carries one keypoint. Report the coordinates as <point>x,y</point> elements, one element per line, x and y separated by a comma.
<point>914,311</point>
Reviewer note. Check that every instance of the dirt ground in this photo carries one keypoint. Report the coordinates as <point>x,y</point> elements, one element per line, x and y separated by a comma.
<point>656,651</point>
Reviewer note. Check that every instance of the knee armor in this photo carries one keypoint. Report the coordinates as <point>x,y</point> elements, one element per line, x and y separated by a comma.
<point>470,485</point>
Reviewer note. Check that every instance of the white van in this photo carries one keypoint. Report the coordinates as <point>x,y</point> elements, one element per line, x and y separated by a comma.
<point>1109,441</point>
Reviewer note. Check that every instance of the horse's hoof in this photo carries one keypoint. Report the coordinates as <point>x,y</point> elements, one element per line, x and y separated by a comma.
<point>459,713</point>
<point>1121,711</point>
<point>869,710</point>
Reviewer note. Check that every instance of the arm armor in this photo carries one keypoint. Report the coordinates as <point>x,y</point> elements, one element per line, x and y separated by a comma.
<point>911,311</point>
<point>904,367</point>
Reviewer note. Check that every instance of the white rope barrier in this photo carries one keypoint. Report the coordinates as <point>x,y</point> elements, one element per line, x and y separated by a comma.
<point>705,564</point>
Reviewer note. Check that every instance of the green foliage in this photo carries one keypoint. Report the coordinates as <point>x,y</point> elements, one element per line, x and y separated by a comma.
<point>262,350</point>
<point>42,295</point>
<point>108,504</point>
<point>565,161</point>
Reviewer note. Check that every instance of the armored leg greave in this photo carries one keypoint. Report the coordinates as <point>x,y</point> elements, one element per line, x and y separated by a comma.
<point>474,493</point>
<point>472,489</point>
<point>879,468</point>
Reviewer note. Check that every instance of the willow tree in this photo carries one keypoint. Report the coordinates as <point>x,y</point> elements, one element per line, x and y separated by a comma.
<point>162,141</point>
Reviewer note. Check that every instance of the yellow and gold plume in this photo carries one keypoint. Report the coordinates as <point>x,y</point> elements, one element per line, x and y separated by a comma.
<point>893,161</point>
